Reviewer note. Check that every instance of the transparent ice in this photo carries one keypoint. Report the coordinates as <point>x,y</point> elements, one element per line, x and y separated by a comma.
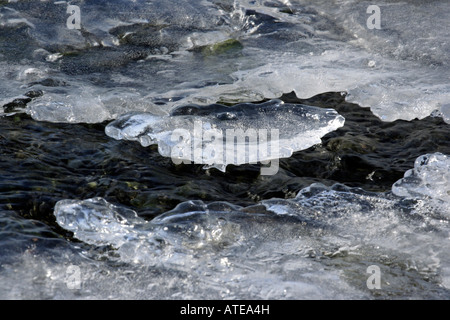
<point>206,135</point>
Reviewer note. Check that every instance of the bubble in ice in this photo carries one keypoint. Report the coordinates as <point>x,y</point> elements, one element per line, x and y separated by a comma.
<point>217,135</point>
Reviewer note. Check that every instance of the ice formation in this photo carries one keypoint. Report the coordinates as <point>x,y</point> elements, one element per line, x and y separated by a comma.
<point>218,135</point>
<point>290,239</point>
<point>152,57</point>
<point>318,207</point>
<point>139,61</point>
<point>430,179</point>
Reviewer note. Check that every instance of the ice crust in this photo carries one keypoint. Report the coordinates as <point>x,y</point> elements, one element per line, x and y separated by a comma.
<point>152,57</point>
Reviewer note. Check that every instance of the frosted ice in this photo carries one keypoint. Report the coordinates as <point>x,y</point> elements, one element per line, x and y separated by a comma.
<point>206,134</point>
<point>314,244</point>
<point>154,56</point>
<point>430,179</point>
<point>98,217</point>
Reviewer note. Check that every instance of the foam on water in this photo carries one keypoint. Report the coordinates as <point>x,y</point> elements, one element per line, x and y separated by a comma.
<point>140,56</point>
<point>206,135</point>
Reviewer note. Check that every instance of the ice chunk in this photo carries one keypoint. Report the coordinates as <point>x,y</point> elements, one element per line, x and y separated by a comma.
<point>218,135</point>
<point>430,178</point>
<point>97,221</point>
<point>191,225</point>
<point>68,109</point>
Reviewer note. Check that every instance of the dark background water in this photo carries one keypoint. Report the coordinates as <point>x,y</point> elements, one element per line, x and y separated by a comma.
<point>42,163</point>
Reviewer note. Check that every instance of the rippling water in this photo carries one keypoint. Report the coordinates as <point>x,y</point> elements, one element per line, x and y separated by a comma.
<point>83,215</point>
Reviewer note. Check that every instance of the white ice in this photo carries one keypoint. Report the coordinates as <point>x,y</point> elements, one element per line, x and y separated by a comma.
<point>400,71</point>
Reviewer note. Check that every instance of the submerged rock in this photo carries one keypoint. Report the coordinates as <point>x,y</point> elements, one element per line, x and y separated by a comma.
<point>220,47</point>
